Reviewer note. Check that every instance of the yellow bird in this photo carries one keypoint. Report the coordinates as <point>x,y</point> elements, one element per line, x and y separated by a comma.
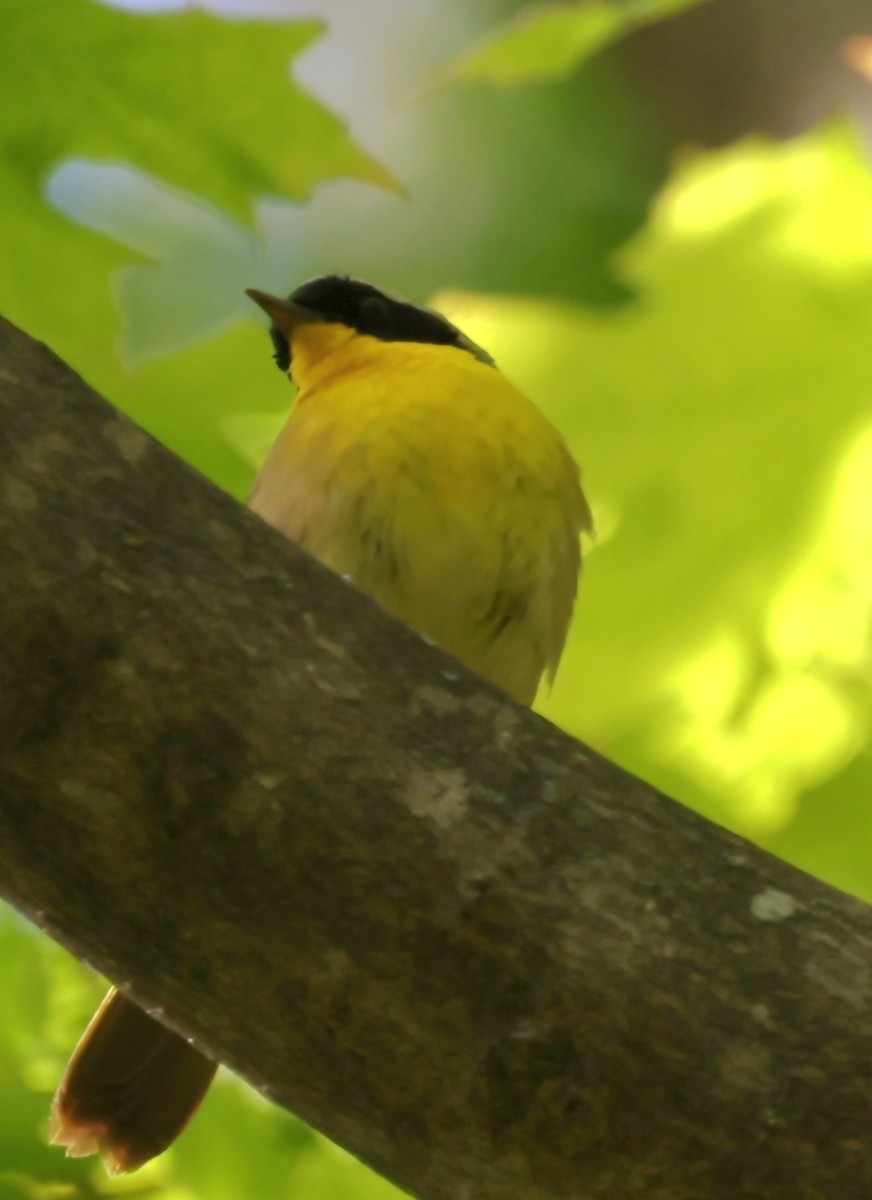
<point>411,465</point>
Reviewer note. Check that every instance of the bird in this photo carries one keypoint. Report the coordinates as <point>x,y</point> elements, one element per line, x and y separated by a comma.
<point>412,466</point>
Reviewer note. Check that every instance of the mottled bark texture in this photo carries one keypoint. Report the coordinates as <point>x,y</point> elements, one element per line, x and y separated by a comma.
<point>482,958</point>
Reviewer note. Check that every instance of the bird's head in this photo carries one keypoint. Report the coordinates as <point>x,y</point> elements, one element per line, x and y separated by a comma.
<point>327,312</point>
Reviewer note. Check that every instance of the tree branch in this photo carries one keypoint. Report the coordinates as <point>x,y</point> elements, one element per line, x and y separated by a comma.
<point>482,958</point>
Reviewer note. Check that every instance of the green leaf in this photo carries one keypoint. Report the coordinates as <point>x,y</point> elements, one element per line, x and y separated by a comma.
<point>204,104</point>
<point>549,42</point>
<point>201,103</point>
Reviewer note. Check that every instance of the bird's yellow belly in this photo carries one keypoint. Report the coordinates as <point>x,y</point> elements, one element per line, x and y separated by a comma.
<point>444,531</point>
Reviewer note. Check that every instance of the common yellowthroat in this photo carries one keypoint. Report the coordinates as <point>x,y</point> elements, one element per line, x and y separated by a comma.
<point>410,464</point>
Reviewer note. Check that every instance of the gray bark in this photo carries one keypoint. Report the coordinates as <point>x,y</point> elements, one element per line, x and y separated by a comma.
<point>464,946</point>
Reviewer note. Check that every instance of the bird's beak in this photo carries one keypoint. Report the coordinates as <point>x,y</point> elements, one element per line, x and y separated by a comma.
<point>286,315</point>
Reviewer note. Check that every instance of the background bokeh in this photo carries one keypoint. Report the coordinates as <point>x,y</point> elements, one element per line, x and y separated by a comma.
<point>657,214</point>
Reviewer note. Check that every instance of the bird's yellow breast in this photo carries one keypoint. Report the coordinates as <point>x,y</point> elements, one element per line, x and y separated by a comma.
<point>440,489</point>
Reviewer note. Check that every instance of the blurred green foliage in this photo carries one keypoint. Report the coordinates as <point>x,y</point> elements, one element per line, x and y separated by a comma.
<point>726,420</point>
<point>723,413</point>
<point>549,41</point>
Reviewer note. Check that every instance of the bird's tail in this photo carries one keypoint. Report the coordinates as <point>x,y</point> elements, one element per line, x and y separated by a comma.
<point>130,1088</point>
